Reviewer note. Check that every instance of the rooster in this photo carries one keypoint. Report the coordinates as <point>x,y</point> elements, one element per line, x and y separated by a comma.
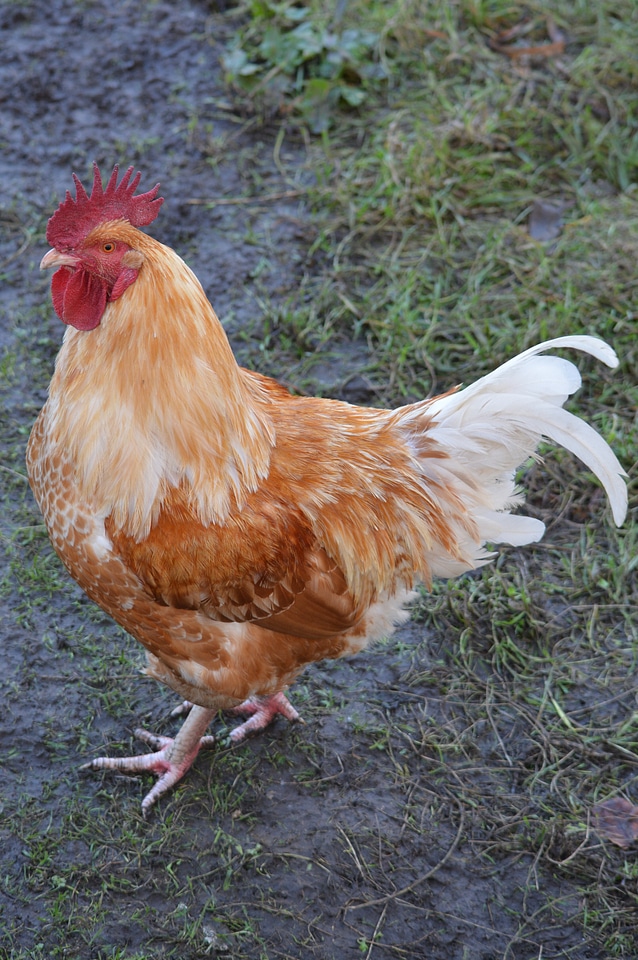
<point>237,531</point>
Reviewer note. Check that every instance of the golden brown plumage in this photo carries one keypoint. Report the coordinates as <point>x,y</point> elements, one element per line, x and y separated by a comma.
<point>239,532</point>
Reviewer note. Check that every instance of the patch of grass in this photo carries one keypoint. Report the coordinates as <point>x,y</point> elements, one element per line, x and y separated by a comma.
<point>422,210</point>
<point>547,670</point>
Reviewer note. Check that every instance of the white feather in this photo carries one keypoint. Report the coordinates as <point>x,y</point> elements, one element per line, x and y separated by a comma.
<point>492,427</point>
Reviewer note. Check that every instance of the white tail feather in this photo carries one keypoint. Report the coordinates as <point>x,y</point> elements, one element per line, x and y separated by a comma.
<point>493,426</point>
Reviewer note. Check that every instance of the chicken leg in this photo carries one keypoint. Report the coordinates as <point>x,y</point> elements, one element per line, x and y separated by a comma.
<point>173,757</point>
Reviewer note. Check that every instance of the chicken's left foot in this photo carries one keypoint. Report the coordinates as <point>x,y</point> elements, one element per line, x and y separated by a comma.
<point>262,711</point>
<point>173,757</point>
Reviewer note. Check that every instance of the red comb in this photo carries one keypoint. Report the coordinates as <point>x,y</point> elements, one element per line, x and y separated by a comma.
<point>76,217</point>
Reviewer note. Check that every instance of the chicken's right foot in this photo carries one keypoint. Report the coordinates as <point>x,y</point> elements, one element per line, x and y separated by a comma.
<point>172,757</point>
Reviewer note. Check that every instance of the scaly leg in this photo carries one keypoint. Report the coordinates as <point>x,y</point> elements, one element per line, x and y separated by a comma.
<point>172,758</point>
<point>261,712</point>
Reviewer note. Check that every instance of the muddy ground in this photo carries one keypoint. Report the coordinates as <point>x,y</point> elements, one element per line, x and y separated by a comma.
<point>344,838</point>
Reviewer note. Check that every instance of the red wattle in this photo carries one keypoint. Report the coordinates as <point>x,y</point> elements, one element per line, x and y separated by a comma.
<point>79,298</point>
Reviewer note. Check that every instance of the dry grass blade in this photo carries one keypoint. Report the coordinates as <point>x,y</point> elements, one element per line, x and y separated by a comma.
<point>501,42</point>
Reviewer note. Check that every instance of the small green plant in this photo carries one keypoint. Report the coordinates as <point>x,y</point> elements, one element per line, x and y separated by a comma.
<point>296,56</point>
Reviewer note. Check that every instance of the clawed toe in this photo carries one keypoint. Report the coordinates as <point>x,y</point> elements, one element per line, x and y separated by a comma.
<point>184,707</point>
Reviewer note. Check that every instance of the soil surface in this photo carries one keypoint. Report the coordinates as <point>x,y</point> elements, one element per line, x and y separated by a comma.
<point>342,838</point>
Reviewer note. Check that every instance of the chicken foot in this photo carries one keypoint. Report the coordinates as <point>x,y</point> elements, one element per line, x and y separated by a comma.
<point>260,710</point>
<point>173,757</point>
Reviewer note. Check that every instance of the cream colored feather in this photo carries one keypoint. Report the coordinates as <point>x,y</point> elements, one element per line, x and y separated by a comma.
<point>493,426</point>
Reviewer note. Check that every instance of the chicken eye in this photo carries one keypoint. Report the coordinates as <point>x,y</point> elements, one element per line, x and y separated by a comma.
<point>108,247</point>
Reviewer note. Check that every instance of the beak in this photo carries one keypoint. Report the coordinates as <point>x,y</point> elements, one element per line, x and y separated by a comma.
<point>56,259</point>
